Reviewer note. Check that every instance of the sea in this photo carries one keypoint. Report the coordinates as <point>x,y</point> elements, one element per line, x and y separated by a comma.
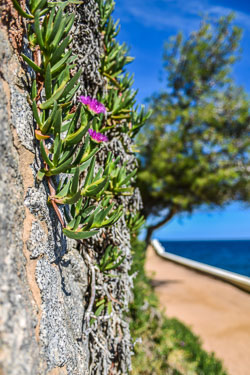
<point>229,255</point>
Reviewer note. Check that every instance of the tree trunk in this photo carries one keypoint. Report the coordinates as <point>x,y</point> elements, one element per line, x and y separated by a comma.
<point>152,228</point>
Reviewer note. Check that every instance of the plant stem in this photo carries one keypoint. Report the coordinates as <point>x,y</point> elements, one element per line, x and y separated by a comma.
<point>54,205</point>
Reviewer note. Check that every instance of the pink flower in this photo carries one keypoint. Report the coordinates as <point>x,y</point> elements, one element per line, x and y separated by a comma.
<point>92,104</point>
<point>98,137</point>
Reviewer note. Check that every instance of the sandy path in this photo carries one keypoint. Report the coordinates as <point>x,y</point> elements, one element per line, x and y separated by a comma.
<point>218,312</point>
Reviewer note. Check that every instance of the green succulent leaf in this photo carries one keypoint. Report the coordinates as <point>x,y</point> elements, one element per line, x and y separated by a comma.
<point>48,123</point>
<point>89,155</point>
<point>71,199</point>
<point>35,67</point>
<point>70,22</point>
<point>21,11</point>
<point>58,122</point>
<point>67,154</point>
<point>54,26</point>
<point>95,188</point>
<point>45,156</point>
<point>109,307</point>
<point>101,215</point>
<point>101,302</point>
<point>38,30</point>
<point>33,90</point>
<point>115,265</point>
<point>49,27</point>
<point>71,83</point>
<point>90,173</point>
<point>90,220</point>
<point>75,181</point>
<point>78,206</point>
<point>61,63</point>
<point>57,149</point>
<point>43,12</point>
<point>58,35</point>
<point>35,113</point>
<point>74,121</point>
<point>87,211</point>
<point>60,50</point>
<point>72,92</point>
<point>64,191</point>
<point>40,175</point>
<point>56,95</point>
<point>61,167</point>
<point>76,223</point>
<point>81,235</point>
<point>99,310</point>
<point>82,167</point>
<point>106,255</point>
<point>37,4</point>
<point>82,150</point>
<point>76,137</point>
<point>48,82</point>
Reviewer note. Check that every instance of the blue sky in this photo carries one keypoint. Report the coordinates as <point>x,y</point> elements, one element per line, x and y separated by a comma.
<point>145,26</point>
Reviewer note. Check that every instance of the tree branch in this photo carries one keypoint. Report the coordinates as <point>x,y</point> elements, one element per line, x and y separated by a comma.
<point>152,228</point>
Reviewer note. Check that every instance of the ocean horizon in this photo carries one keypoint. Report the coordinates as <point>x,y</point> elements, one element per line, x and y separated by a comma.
<point>231,255</point>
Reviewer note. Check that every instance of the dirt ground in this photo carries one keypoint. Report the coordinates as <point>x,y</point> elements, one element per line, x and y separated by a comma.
<point>216,311</point>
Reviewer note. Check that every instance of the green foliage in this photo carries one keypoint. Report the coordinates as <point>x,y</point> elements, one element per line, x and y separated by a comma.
<point>168,346</point>
<point>119,179</point>
<point>100,306</point>
<point>110,259</point>
<point>61,129</point>
<point>120,98</point>
<point>195,148</point>
<point>135,223</point>
<point>84,220</point>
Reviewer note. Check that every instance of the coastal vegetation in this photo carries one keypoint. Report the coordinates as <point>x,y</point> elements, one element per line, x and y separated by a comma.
<point>194,149</point>
<point>165,346</point>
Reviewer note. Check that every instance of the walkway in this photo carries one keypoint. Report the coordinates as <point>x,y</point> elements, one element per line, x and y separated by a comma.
<point>216,311</point>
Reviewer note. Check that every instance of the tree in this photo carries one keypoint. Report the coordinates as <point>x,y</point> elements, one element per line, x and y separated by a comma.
<point>195,147</point>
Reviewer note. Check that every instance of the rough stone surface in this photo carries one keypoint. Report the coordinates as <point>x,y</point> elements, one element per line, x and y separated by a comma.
<point>108,338</point>
<point>87,44</point>
<point>19,349</point>
<point>41,314</point>
<point>47,281</point>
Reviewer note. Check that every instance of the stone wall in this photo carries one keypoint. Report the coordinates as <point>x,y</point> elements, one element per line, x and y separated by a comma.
<point>48,283</point>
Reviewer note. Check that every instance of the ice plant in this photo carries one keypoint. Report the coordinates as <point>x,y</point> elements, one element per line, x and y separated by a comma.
<point>92,104</point>
<point>55,114</point>
<point>98,137</point>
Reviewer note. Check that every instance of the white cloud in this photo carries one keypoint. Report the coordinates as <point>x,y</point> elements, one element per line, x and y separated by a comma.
<point>178,15</point>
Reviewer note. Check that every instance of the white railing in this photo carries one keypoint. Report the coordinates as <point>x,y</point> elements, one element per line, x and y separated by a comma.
<point>242,282</point>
